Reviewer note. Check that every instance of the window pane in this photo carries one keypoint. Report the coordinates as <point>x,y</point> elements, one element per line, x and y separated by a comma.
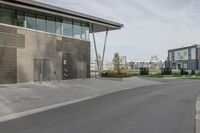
<point>58,26</point>
<point>41,23</point>
<point>20,18</point>
<point>51,25</point>
<point>85,31</point>
<point>7,16</point>
<point>67,27</point>
<point>77,29</point>
<point>30,20</point>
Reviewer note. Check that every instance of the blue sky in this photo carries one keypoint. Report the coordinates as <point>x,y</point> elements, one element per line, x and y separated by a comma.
<point>151,27</point>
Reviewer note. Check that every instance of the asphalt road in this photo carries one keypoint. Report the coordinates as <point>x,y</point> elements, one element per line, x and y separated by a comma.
<point>166,108</point>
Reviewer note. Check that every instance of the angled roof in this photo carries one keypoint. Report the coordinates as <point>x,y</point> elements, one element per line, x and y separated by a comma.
<point>99,24</point>
<point>184,47</point>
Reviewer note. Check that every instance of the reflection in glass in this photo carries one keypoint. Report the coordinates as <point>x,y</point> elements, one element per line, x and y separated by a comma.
<point>41,23</point>
<point>30,20</point>
<point>51,25</point>
<point>67,27</point>
<point>85,31</point>
<point>20,18</point>
<point>7,16</point>
<point>77,29</point>
<point>58,26</point>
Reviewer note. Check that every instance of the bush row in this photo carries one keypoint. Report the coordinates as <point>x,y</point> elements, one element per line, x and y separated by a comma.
<point>126,73</point>
<point>121,73</point>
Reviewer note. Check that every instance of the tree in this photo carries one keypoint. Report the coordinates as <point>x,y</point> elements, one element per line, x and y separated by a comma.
<point>116,61</point>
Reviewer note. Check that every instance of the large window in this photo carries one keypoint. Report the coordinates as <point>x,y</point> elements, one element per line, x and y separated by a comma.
<point>67,27</point>
<point>20,18</point>
<point>58,26</point>
<point>35,20</point>
<point>30,20</point>
<point>85,31</point>
<point>77,29</point>
<point>51,25</point>
<point>41,23</point>
<point>7,16</point>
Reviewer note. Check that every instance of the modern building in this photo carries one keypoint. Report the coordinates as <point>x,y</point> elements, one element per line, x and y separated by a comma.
<point>41,42</point>
<point>185,57</point>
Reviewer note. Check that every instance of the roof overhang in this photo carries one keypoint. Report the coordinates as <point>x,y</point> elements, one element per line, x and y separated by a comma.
<point>99,24</point>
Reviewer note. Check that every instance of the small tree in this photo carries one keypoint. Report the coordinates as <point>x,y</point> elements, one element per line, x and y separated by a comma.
<point>116,62</point>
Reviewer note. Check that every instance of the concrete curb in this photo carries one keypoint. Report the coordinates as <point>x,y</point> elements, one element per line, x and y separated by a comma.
<point>41,109</point>
<point>197,118</point>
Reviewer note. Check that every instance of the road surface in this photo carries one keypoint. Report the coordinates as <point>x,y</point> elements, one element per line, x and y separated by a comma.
<point>166,108</point>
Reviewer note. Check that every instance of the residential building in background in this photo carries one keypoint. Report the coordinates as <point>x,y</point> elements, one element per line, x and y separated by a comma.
<point>41,42</point>
<point>151,65</point>
<point>185,57</point>
<point>107,65</point>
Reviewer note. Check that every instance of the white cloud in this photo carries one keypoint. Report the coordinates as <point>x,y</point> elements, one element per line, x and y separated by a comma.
<point>151,26</point>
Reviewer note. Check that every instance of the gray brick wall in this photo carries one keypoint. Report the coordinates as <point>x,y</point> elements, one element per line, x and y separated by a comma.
<point>8,65</point>
<point>40,45</point>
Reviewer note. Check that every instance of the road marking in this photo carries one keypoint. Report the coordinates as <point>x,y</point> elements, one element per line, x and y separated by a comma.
<point>42,109</point>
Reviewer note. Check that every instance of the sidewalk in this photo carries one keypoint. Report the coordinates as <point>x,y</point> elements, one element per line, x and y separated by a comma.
<point>24,97</point>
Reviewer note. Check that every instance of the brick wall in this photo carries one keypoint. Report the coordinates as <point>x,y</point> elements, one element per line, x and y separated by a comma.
<point>8,65</point>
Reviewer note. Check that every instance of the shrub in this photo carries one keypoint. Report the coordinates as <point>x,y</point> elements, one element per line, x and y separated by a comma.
<point>166,71</point>
<point>176,73</point>
<point>197,73</point>
<point>115,73</point>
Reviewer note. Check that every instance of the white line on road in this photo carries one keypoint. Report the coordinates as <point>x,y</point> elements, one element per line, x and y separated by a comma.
<point>38,110</point>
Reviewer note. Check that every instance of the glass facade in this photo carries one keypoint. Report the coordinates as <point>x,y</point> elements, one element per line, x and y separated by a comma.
<point>77,29</point>
<point>20,19</point>
<point>67,27</point>
<point>51,25</point>
<point>58,26</point>
<point>85,31</point>
<point>46,23</point>
<point>7,16</point>
<point>30,21</point>
<point>41,23</point>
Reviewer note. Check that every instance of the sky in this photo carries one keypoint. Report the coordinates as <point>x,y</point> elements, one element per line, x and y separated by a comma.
<point>151,27</point>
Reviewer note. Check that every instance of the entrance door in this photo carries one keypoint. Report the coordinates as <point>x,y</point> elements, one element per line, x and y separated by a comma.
<point>68,66</point>
<point>81,70</point>
<point>41,70</point>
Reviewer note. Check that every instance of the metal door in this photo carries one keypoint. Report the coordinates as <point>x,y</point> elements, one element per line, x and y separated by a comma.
<point>81,70</point>
<point>41,70</point>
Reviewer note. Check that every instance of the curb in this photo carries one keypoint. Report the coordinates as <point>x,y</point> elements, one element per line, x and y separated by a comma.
<point>41,109</point>
<point>197,117</point>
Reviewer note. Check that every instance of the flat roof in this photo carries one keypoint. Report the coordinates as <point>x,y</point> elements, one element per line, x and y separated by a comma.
<point>99,24</point>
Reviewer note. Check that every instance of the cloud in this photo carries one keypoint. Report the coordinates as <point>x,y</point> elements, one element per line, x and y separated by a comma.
<point>151,26</point>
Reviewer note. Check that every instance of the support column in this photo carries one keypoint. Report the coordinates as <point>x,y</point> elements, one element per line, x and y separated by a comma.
<point>95,46</point>
<point>100,66</point>
<point>104,49</point>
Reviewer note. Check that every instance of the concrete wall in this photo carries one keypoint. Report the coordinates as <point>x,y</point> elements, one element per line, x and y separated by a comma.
<point>40,45</point>
<point>45,46</point>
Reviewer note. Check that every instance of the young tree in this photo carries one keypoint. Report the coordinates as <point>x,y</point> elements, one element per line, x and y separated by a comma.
<point>116,61</point>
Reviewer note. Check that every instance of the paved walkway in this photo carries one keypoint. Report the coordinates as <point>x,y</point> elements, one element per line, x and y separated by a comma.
<point>23,97</point>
